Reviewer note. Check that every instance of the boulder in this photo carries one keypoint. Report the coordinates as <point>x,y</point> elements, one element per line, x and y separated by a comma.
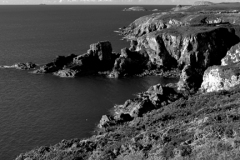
<point>233,56</point>
<point>218,78</point>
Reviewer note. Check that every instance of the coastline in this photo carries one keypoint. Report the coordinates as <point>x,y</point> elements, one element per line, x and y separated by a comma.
<point>161,121</point>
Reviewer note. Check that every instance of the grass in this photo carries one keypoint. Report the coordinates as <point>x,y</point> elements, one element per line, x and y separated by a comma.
<point>195,127</point>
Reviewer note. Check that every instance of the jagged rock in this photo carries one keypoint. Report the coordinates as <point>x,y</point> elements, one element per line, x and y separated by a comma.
<point>103,50</point>
<point>129,63</point>
<point>57,64</point>
<point>218,78</point>
<point>155,97</point>
<point>99,58</point>
<point>233,55</point>
<point>189,79</point>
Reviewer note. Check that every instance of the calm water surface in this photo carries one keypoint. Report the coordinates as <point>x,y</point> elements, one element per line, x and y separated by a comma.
<point>38,110</point>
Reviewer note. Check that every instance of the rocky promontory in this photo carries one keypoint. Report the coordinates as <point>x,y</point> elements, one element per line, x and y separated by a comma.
<point>196,118</point>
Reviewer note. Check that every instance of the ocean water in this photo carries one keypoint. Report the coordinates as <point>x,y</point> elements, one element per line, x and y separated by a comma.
<point>38,110</point>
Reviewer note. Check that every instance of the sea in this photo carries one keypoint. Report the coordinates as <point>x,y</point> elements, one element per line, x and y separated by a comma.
<point>42,110</point>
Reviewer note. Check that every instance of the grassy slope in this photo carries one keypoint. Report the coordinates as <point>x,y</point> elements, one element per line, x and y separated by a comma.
<point>198,127</point>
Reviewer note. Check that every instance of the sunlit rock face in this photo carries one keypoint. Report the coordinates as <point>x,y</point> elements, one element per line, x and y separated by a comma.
<point>233,55</point>
<point>218,78</point>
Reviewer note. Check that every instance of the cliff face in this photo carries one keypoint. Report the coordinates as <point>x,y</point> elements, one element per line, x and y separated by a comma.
<point>200,46</point>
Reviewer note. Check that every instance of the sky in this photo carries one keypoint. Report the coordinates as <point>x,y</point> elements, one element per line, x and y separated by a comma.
<point>173,2</point>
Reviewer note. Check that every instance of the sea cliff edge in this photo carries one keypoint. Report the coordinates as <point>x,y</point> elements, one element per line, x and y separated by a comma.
<point>196,118</point>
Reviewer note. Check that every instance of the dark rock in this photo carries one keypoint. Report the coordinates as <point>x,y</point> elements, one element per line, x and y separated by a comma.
<point>190,79</point>
<point>57,64</point>
<point>99,58</point>
<point>129,63</point>
<point>102,50</point>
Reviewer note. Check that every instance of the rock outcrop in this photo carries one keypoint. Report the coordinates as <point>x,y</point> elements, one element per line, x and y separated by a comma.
<point>22,66</point>
<point>97,59</point>
<point>218,78</point>
<point>155,97</point>
<point>199,47</point>
<point>129,63</point>
<point>57,64</point>
<point>233,55</point>
<point>190,79</point>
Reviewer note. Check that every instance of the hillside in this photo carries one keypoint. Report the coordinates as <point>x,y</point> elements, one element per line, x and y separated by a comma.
<point>196,118</point>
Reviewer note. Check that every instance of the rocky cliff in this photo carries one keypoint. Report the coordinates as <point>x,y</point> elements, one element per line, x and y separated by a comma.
<point>173,121</point>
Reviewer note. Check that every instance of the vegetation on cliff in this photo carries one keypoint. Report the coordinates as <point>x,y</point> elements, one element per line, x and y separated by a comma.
<point>196,127</point>
<point>184,121</point>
